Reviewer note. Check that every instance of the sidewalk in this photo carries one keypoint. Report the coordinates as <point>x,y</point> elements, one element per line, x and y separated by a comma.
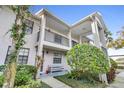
<point>54,83</point>
<point>119,81</point>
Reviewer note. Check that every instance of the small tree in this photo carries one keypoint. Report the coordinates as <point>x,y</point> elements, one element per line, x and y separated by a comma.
<point>17,34</point>
<point>108,36</point>
<point>119,42</point>
<point>87,60</point>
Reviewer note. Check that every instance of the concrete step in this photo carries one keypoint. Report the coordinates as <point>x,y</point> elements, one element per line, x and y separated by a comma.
<point>120,66</point>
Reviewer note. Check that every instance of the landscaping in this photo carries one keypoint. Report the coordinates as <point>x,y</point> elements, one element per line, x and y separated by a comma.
<point>86,62</point>
<point>79,83</point>
<point>24,77</point>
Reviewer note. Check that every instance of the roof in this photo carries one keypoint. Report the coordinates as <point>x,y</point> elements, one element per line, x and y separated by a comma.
<point>97,14</point>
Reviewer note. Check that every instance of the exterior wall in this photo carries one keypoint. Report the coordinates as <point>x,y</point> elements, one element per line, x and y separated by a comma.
<point>48,60</point>
<point>6,21</point>
<point>7,18</point>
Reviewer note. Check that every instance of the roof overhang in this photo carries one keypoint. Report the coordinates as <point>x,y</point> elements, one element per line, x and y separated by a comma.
<point>45,11</point>
<point>83,20</point>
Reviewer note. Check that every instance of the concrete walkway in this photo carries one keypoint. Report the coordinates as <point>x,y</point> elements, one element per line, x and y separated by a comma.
<point>54,83</point>
<point>119,81</point>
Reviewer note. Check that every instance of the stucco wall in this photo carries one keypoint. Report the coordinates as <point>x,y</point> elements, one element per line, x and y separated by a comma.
<point>6,21</point>
<point>48,60</point>
<point>7,18</point>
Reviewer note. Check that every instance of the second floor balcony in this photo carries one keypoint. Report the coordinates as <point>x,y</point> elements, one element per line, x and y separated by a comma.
<point>56,38</point>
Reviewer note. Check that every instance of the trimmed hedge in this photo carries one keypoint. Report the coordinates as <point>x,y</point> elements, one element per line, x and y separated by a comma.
<point>87,60</point>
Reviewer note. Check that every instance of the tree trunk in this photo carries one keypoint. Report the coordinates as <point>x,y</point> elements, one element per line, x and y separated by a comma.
<point>39,63</point>
<point>10,73</point>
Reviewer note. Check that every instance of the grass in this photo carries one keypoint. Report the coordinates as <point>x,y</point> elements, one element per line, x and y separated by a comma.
<point>79,83</point>
<point>44,85</point>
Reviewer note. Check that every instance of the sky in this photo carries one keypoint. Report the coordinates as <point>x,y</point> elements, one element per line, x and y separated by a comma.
<point>113,16</point>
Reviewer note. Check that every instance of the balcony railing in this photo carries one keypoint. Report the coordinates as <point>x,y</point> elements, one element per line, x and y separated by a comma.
<point>55,38</point>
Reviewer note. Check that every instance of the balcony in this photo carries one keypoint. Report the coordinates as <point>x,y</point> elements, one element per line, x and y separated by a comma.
<point>56,38</point>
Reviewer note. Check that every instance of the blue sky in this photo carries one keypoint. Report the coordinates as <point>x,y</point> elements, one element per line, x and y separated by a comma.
<point>112,15</point>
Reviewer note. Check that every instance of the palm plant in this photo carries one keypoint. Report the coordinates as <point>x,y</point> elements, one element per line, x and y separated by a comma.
<point>119,42</point>
<point>17,34</point>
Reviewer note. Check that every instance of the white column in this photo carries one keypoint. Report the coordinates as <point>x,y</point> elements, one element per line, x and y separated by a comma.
<point>41,40</point>
<point>70,40</point>
<point>96,36</point>
<point>80,39</point>
<point>42,34</point>
<point>102,35</point>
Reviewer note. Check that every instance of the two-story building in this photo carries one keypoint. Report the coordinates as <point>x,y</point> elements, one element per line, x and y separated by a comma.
<point>49,36</point>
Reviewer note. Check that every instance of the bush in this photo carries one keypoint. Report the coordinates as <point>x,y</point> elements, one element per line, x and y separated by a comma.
<point>29,68</point>
<point>2,68</point>
<point>23,75</point>
<point>31,84</point>
<point>34,84</point>
<point>1,80</point>
<point>111,73</point>
<point>85,59</point>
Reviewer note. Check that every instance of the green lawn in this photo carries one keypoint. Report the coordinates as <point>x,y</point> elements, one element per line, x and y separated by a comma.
<point>79,83</point>
<point>44,85</point>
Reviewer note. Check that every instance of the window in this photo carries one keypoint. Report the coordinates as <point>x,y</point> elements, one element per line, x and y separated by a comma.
<point>8,53</point>
<point>57,58</point>
<point>58,39</point>
<point>29,26</point>
<point>23,55</point>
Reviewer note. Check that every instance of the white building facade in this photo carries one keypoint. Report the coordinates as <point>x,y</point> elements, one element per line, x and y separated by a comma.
<point>50,37</point>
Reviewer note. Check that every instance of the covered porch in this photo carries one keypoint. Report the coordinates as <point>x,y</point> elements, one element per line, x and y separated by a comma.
<point>90,30</point>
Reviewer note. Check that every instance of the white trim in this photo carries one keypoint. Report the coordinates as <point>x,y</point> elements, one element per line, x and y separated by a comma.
<point>77,22</point>
<point>47,12</point>
<point>56,32</point>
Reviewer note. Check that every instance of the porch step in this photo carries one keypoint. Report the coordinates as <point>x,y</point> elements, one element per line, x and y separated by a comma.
<point>120,66</point>
<point>54,74</point>
<point>54,83</point>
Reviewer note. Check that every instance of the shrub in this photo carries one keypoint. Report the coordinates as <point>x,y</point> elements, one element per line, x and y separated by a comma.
<point>31,84</point>
<point>22,77</point>
<point>31,69</point>
<point>85,59</point>
<point>111,73</point>
<point>24,74</point>
<point>2,68</point>
<point>34,84</point>
<point>1,80</point>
